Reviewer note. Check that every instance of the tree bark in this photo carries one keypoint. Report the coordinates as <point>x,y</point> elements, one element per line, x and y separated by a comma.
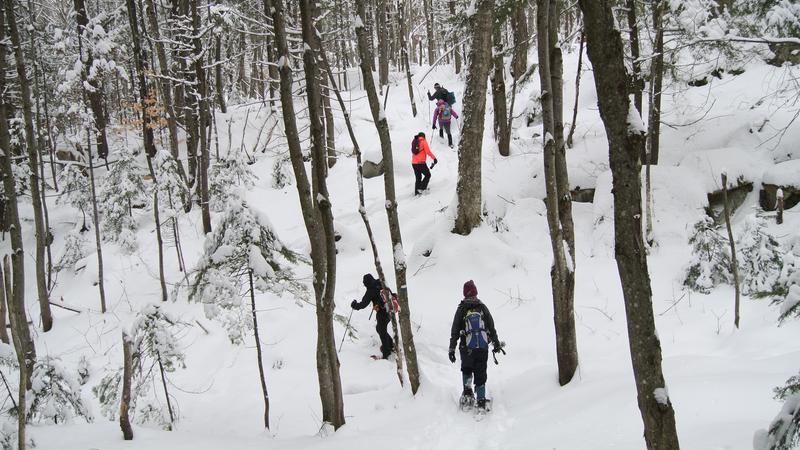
<point>403,7</point>
<point>125,399</point>
<point>379,118</point>
<point>203,116</point>
<point>141,66</point>
<point>330,128</point>
<point>96,226</point>
<point>94,92</point>
<point>519,25</point>
<point>732,242</point>
<point>329,381</point>
<point>383,43</point>
<point>502,133</point>
<point>468,187</point>
<point>656,81</point>
<point>605,50</point>
<point>456,52</point>
<point>219,81</point>
<point>261,375</point>
<point>3,307</point>
<point>633,30</point>
<point>429,30</point>
<point>31,143</point>
<point>577,91</point>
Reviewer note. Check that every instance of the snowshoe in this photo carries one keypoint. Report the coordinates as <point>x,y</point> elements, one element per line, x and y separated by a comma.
<point>378,357</point>
<point>467,400</point>
<point>482,408</point>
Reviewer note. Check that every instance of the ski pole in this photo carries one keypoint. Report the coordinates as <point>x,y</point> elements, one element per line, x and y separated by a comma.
<point>346,327</point>
<point>495,351</point>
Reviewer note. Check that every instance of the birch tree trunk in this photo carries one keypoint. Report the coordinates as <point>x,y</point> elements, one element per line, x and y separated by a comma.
<point>33,163</point>
<point>605,49</point>
<point>329,384</point>
<point>379,118</point>
<point>468,187</point>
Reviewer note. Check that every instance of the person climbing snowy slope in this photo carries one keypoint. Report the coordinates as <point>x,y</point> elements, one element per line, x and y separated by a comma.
<point>473,327</point>
<point>373,295</point>
<point>420,151</point>
<point>444,113</point>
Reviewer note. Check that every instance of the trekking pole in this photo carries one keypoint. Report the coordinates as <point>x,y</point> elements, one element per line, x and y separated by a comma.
<point>346,327</point>
<point>496,350</point>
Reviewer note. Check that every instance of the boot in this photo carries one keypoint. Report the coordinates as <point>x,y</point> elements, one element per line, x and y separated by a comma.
<point>481,403</point>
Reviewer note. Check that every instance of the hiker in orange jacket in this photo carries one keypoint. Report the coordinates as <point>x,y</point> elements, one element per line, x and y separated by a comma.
<point>419,158</point>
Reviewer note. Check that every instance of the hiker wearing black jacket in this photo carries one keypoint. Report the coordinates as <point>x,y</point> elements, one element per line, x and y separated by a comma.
<point>373,295</point>
<point>439,93</point>
<point>474,355</point>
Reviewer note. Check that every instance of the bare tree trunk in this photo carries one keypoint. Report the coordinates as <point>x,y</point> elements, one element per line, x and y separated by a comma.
<point>456,52</point>
<point>33,163</point>
<point>577,92</point>
<point>502,133</point>
<point>4,308</point>
<point>732,242</point>
<point>562,278</point>
<point>519,25</point>
<point>95,92</point>
<point>140,64</point>
<point>159,241</point>
<point>330,129</point>
<point>96,226</point>
<point>470,146</point>
<point>656,81</point>
<point>219,81</point>
<point>258,351</point>
<point>379,118</point>
<point>605,50</point>
<point>125,399</point>
<point>203,117</point>
<point>383,43</point>
<point>633,29</point>
<point>401,17</point>
<point>166,392</point>
<point>329,381</point>
<point>429,30</point>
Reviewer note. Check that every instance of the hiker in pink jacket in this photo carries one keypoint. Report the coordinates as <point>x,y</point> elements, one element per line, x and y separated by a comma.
<point>444,112</point>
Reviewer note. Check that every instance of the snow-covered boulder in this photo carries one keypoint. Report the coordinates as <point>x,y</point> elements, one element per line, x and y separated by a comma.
<point>679,200</point>
<point>372,169</point>
<point>784,176</point>
<point>742,166</point>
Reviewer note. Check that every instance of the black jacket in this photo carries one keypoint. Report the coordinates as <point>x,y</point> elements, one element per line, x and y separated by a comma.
<point>471,303</point>
<point>440,94</point>
<point>373,294</point>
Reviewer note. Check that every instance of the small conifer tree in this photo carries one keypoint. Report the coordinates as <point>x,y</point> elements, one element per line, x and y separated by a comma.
<point>122,188</point>
<point>711,261</point>
<point>225,176</point>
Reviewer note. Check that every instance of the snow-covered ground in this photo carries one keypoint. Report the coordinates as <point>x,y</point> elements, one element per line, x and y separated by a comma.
<point>720,379</point>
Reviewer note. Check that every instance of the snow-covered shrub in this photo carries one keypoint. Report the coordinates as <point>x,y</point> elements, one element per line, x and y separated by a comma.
<point>760,259</point>
<point>56,395</point>
<point>281,173</point>
<point>74,251</point>
<point>784,431</point>
<point>84,370</point>
<point>711,260</point>
<point>225,176</point>
<point>122,188</point>
<point>75,190</point>
<point>154,347</point>
<point>243,241</point>
<point>169,184</point>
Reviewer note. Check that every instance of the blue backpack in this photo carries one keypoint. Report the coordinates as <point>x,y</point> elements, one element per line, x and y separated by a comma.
<point>444,112</point>
<point>475,330</point>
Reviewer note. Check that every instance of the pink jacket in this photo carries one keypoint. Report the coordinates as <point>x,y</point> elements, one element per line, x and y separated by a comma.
<point>439,106</point>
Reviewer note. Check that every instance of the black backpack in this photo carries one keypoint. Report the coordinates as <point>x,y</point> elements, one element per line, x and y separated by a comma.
<point>415,145</point>
<point>451,98</point>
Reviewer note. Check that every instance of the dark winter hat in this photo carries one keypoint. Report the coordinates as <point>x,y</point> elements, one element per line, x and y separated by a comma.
<point>369,280</point>
<point>421,134</point>
<point>470,290</point>
<point>436,85</point>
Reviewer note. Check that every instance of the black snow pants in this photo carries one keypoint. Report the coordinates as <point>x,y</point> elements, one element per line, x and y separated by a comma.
<point>473,362</point>
<point>420,184</point>
<point>387,344</point>
<point>444,127</point>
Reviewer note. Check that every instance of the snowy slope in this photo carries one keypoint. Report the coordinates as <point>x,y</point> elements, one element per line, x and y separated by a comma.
<point>719,379</point>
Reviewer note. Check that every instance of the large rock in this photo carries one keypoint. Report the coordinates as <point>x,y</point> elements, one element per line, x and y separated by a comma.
<point>372,169</point>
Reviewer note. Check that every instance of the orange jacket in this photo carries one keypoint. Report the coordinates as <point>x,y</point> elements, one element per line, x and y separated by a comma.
<point>424,152</point>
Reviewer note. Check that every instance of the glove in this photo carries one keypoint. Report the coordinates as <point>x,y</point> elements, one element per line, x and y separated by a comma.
<point>452,355</point>
<point>353,304</point>
<point>434,126</point>
<point>434,163</point>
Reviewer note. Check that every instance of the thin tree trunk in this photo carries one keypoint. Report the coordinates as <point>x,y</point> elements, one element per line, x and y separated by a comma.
<point>203,118</point>
<point>633,30</point>
<point>401,17</point>
<point>456,52</point>
<point>732,242</point>
<point>656,81</point>
<point>382,126</point>
<point>140,65</point>
<point>94,93</point>
<point>329,382</point>
<point>166,392</point>
<point>33,163</point>
<point>261,375</point>
<point>4,308</point>
<point>159,240</point>
<point>577,92</point>
<point>219,81</point>
<point>468,188</point>
<point>96,226</point>
<point>501,132</point>
<point>519,25</point>
<point>330,129</point>
<point>429,30</point>
<point>125,399</point>
<point>383,43</point>
<point>605,50</point>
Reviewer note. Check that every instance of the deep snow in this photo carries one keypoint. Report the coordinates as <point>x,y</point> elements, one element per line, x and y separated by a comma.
<point>719,379</point>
